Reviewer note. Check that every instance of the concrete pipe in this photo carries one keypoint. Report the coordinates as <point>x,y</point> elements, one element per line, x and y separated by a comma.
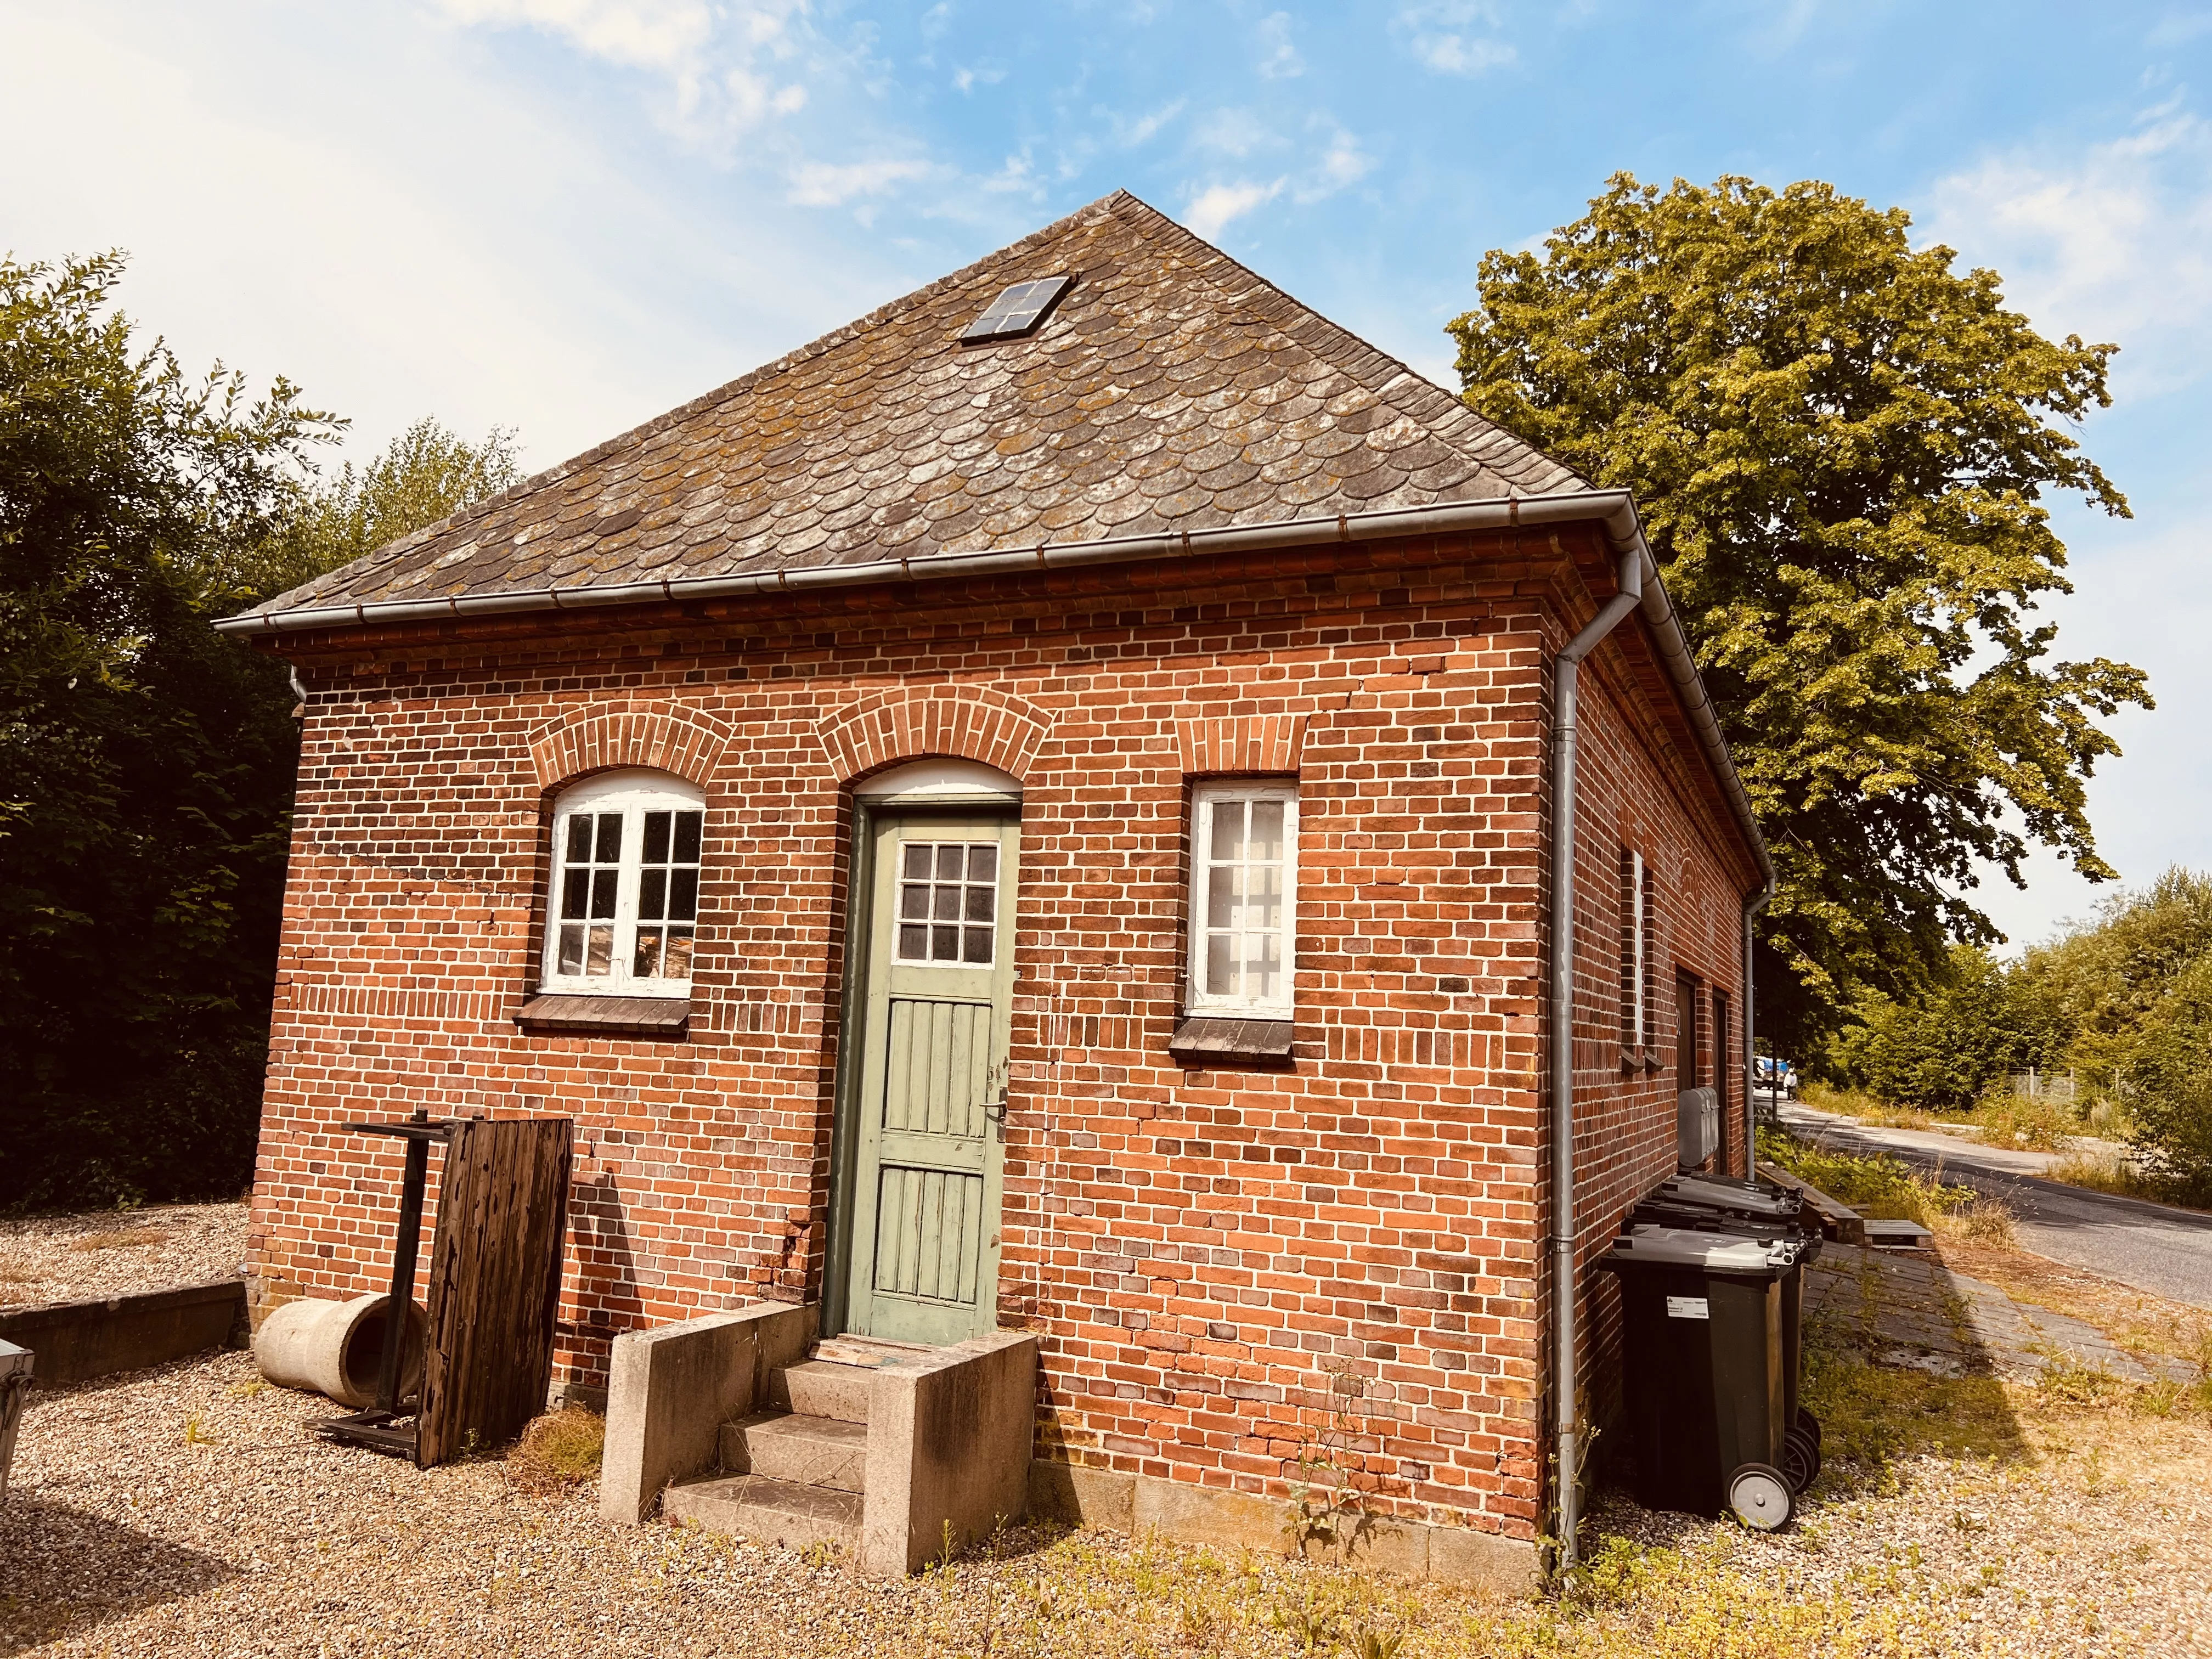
<point>337,1348</point>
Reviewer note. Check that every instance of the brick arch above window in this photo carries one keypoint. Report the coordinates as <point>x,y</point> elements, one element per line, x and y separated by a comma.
<point>971,722</point>
<point>1241,742</point>
<point>687,742</point>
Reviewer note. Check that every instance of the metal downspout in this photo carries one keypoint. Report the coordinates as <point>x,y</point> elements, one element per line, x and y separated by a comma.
<point>1567,672</point>
<point>1752,907</point>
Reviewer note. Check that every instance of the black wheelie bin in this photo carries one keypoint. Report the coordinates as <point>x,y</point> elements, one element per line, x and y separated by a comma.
<point>1754,1209</point>
<point>1702,1326</point>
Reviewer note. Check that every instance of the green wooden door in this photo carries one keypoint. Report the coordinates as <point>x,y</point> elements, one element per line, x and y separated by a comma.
<point>937,993</point>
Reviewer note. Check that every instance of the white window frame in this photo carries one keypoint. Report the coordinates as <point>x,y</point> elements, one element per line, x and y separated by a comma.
<point>634,793</point>
<point>1639,920</point>
<point>1205,798</point>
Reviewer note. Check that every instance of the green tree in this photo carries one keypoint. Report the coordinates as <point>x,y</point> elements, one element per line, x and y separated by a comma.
<point>1941,1050</point>
<point>146,762</point>
<point>1840,446</point>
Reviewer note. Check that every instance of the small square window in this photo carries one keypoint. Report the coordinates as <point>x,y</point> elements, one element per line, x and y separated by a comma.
<point>948,904</point>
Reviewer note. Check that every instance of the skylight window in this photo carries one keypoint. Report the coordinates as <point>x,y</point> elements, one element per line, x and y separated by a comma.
<point>1019,310</point>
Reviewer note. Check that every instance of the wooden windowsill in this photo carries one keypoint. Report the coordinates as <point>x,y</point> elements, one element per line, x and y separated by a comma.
<point>667,1018</point>
<point>1200,1039</point>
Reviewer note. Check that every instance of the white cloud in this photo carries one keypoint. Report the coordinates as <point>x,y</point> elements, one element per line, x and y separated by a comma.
<point>1343,162</point>
<point>1235,133</point>
<point>1130,134</point>
<point>723,63</point>
<point>1278,59</point>
<point>822,184</point>
<point>1213,208</point>
<point>2113,241</point>
<point>1441,35</point>
<point>966,80</point>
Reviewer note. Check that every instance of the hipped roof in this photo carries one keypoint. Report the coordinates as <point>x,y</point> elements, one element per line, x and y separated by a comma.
<point>1171,390</point>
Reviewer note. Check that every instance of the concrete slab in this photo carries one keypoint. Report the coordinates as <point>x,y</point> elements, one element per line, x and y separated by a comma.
<point>949,1436</point>
<point>768,1510</point>
<point>1086,1497</point>
<point>822,1387</point>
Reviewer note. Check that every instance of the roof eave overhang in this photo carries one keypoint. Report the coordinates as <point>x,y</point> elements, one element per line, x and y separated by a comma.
<point>1613,509</point>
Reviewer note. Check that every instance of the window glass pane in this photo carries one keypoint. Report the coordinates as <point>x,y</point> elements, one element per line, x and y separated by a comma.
<point>676,963</point>
<point>575,893</point>
<point>913,943</point>
<point>977,947</point>
<point>1220,965</point>
<point>646,963</point>
<point>687,827</point>
<point>917,861</point>
<point>610,846</point>
<point>945,903</point>
<point>684,895</point>
<point>571,950</point>
<point>984,862</point>
<point>599,950</point>
<point>1263,966</point>
<point>651,895</point>
<point>656,837</point>
<point>949,860</point>
<point>914,902</point>
<point>945,944</point>
<point>1263,886</point>
<point>1228,828</point>
<point>1265,841</point>
<point>1221,895</point>
<point>982,901</point>
<point>580,839</point>
<point>603,891</point>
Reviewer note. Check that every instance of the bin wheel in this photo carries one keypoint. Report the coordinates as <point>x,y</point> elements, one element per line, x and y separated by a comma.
<point>1810,1425</point>
<point>1758,1496</point>
<point>1800,1458</point>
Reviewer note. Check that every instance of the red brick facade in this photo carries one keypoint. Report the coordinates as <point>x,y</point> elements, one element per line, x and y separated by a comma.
<point>1202,1253</point>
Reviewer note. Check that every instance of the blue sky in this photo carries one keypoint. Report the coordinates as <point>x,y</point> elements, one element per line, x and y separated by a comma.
<point>566,215</point>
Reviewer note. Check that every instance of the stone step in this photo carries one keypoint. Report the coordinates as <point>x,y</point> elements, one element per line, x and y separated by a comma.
<point>768,1510</point>
<point>821,1388</point>
<point>805,1450</point>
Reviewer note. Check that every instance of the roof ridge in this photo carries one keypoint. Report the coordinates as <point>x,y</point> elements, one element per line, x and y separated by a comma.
<point>647,430</point>
<point>1451,411</point>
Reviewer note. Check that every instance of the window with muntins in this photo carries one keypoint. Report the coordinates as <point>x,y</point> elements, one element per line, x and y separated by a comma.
<point>1639,1015</point>
<point>624,908</point>
<point>1244,858</point>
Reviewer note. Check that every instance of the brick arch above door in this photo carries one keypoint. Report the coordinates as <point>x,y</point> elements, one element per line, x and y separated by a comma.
<point>687,742</point>
<point>972,722</point>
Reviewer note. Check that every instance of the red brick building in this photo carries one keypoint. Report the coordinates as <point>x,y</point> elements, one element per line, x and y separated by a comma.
<point>1038,810</point>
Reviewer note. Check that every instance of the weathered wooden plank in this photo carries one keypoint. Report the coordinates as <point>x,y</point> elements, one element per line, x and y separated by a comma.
<point>495,1282</point>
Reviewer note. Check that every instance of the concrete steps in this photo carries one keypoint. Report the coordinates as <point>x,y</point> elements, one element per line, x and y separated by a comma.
<point>809,1450</point>
<point>821,1388</point>
<point>769,1510</point>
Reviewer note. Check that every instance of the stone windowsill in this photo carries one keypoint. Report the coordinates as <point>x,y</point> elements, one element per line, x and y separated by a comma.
<point>666,1017</point>
<point>1200,1038</point>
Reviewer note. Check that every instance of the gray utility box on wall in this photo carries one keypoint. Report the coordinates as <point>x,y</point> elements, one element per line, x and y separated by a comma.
<point>14,1383</point>
<point>1696,1126</point>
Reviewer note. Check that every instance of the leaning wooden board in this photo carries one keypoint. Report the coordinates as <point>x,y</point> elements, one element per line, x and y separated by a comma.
<point>495,1282</point>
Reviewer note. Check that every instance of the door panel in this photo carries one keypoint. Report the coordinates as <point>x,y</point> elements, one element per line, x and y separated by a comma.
<point>936,992</point>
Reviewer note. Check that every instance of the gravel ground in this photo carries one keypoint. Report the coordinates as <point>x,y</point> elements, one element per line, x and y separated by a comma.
<point>74,1258</point>
<point>186,1509</point>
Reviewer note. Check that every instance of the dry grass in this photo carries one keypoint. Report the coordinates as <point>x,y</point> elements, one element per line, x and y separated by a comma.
<point>2148,1326</point>
<point>121,1238</point>
<point>559,1450</point>
<point>15,1268</point>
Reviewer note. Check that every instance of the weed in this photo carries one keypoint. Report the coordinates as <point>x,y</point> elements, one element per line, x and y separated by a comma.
<point>821,1554</point>
<point>1314,1629</point>
<point>195,1434</point>
<point>248,1390</point>
<point>1877,1186</point>
<point>1198,1622</point>
<point>1368,1642</point>
<point>1327,1505</point>
<point>558,1450</point>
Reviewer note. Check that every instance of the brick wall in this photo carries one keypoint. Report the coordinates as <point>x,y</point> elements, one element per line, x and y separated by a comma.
<point>1213,1258</point>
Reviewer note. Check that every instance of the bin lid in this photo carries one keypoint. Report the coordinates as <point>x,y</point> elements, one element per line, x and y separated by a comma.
<point>1744,1197</point>
<point>1684,1247</point>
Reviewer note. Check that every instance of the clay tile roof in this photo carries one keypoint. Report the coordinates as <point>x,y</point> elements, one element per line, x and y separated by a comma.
<point>1172,389</point>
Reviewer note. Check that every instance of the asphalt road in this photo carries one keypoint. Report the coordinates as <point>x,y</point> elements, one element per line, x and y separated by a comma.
<point>2166,1252</point>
